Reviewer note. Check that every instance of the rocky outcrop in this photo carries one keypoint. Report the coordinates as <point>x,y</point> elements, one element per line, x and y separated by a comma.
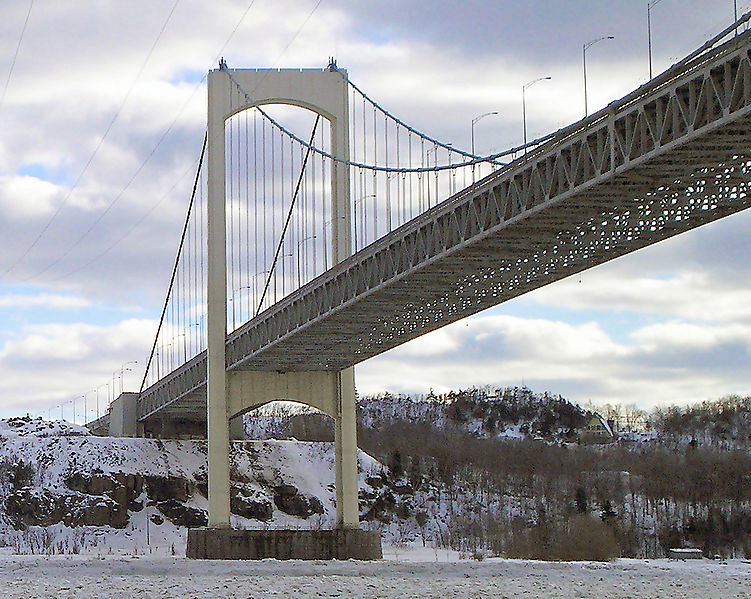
<point>163,488</point>
<point>250,505</point>
<point>289,500</point>
<point>182,515</point>
<point>122,488</point>
<point>32,507</point>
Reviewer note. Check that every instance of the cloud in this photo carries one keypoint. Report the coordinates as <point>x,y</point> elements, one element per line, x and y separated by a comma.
<point>42,300</point>
<point>437,65</point>
<point>675,362</point>
<point>25,198</point>
<point>686,294</point>
<point>48,364</point>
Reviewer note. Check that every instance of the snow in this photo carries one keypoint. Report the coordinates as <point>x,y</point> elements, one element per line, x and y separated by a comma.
<point>56,449</point>
<point>414,573</point>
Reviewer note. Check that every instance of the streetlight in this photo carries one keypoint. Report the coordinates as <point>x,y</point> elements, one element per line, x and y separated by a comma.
<point>97,396</point>
<point>231,298</point>
<point>308,238</point>
<point>474,120</point>
<point>524,106</point>
<point>584,62</point>
<point>255,281</point>
<point>650,5</point>
<point>86,406</point>
<point>123,368</point>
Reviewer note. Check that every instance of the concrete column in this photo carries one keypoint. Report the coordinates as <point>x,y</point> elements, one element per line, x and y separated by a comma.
<point>345,439</point>
<point>340,209</point>
<point>218,423</point>
<point>237,428</point>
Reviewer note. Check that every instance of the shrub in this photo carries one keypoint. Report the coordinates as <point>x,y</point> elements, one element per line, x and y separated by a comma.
<point>582,538</point>
<point>588,538</point>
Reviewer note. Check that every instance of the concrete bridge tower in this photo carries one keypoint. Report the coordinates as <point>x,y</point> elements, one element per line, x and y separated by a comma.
<point>230,394</point>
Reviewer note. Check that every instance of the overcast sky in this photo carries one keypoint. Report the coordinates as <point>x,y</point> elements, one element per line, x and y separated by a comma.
<point>102,112</point>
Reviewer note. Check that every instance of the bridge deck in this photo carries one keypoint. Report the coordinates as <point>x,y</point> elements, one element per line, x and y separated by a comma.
<point>671,156</point>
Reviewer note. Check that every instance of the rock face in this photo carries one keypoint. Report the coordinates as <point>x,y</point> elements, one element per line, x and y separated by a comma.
<point>182,515</point>
<point>99,499</point>
<point>57,474</point>
<point>32,507</point>
<point>123,488</point>
<point>288,499</point>
<point>163,488</point>
<point>247,504</point>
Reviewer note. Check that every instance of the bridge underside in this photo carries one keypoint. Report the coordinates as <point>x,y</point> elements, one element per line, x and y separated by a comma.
<point>656,164</point>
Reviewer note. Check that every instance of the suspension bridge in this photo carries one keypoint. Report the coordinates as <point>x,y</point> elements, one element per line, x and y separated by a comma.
<point>322,237</point>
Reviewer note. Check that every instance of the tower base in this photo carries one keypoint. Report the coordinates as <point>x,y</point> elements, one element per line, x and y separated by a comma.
<point>223,543</point>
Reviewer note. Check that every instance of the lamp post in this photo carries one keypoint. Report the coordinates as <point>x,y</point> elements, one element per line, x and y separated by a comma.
<point>231,298</point>
<point>97,396</point>
<point>123,368</point>
<point>308,238</point>
<point>585,47</point>
<point>650,5</point>
<point>255,282</point>
<point>354,216</point>
<point>475,120</point>
<point>524,106</point>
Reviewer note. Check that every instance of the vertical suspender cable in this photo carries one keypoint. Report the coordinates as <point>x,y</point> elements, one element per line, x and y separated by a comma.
<point>247,219</point>
<point>375,181</point>
<point>282,199</point>
<point>264,236</point>
<point>174,268</point>
<point>289,214</point>
<point>314,210</point>
<point>230,168</point>
<point>326,222</point>
<point>255,211</point>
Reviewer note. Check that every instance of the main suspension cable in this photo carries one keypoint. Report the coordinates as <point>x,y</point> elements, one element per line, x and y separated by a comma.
<point>374,167</point>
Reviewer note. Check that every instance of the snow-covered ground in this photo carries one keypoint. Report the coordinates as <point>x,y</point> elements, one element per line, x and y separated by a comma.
<point>413,574</point>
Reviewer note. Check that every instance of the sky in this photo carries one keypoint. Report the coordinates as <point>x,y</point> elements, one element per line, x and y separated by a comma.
<point>102,113</point>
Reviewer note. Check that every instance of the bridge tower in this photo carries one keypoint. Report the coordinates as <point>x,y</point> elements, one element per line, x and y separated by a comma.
<point>230,394</point>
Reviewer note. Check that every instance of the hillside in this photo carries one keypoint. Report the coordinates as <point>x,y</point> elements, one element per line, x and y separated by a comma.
<point>510,413</point>
<point>473,471</point>
<point>724,423</point>
<point>64,490</point>
<point>502,471</point>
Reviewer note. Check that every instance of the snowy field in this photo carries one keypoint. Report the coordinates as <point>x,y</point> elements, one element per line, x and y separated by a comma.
<point>402,574</point>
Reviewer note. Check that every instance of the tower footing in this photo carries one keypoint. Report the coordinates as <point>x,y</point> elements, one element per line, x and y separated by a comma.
<point>224,543</point>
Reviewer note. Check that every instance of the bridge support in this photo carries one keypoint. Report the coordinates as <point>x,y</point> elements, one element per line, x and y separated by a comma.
<point>331,392</point>
<point>345,439</point>
<point>326,93</point>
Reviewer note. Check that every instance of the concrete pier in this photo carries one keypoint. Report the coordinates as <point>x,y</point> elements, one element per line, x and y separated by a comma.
<point>341,543</point>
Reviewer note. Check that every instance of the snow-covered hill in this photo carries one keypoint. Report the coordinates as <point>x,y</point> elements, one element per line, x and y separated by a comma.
<point>510,413</point>
<point>64,490</point>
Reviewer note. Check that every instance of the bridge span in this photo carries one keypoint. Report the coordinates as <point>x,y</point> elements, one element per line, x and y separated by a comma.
<point>668,157</point>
